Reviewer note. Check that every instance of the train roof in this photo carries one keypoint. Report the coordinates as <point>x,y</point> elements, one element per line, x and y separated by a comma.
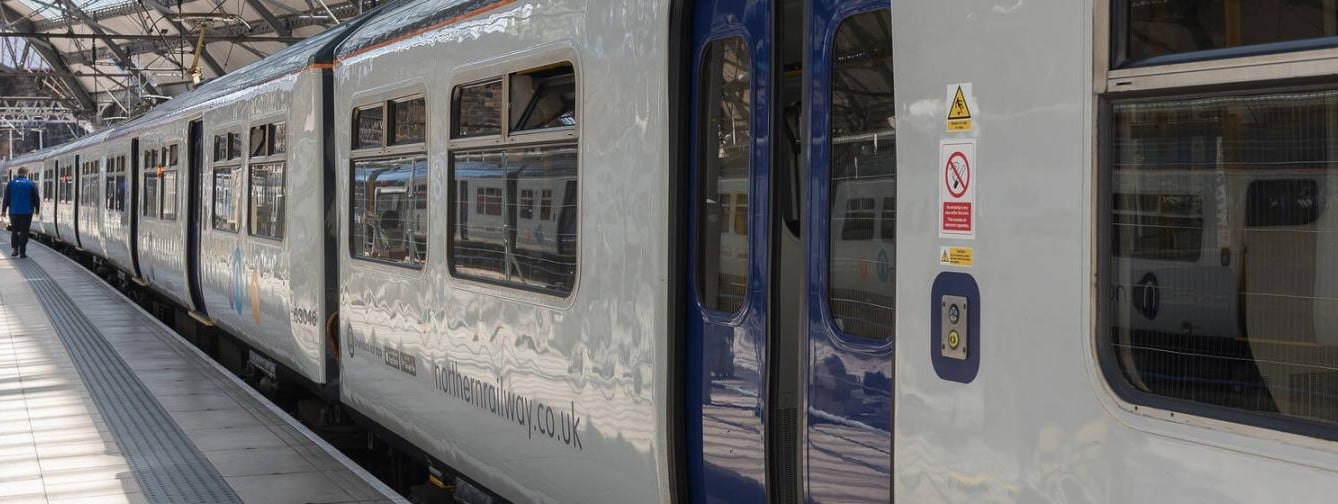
<point>408,18</point>
<point>315,49</point>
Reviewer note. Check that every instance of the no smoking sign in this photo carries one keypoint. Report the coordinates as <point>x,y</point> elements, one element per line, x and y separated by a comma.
<point>957,189</point>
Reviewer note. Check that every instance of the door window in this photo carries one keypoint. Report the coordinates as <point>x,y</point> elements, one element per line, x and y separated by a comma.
<point>726,149</point>
<point>861,288</point>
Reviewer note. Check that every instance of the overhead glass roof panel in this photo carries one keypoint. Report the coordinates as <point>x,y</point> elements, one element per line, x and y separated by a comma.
<point>51,9</point>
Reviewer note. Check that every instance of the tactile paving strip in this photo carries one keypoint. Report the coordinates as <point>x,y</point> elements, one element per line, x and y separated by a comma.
<point>164,460</point>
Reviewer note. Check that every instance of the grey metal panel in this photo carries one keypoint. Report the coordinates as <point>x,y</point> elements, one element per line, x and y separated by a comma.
<point>598,356</point>
<point>1040,424</point>
<point>162,242</point>
<point>165,463</point>
<point>252,285</point>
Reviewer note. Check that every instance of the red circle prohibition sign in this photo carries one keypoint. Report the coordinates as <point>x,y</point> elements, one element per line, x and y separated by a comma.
<point>957,174</point>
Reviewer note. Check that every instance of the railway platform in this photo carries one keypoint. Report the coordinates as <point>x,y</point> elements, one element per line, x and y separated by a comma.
<point>99,402</point>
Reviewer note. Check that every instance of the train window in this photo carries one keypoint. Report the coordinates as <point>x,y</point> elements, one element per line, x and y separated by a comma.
<point>494,244</point>
<point>887,220</point>
<point>477,110</point>
<point>740,214</point>
<point>369,127</point>
<point>109,186</point>
<point>860,273</point>
<point>266,182</point>
<point>114,185</point>
<point>1222,254</point>
<point>408,121</point>
<point>152,199</point>
<point>234,145</point>
<point>259,141</point>
<point>169,190</point>
<point>1282,202</point>
<point>67,183</point>
<point>504,241</point>
<point>267,216</point>
<point>88,185</point>
<point>527,204</point>
<point>1167,227</point>
<point>1151,29</point>
<point>172,155</point>
<point>389,210</point>
<point>726,148</point>
<point>220,147</point>
<point>48,185</point>
<point>858,220</point>
<point>277,133</point>
<point>227,190</point>
<point>727,209</point>
<point>546,204</point>
<point>489,200</point>
<point>543,98</point>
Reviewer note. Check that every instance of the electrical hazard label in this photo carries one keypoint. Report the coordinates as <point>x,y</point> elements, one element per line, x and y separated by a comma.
<point>957,189</point>
<point>956,256</point>
<point>959,107</point>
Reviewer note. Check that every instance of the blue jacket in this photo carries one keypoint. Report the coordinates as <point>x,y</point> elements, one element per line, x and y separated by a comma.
<point>21,197</point>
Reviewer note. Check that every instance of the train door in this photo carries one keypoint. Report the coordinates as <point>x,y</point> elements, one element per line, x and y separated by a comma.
<point>195,160</point>
<point>728,408</point>
<point>74,201</point>
<point>134,207</point>
<point>55,199</point>
<point>851,252</point>
<point>791,248</point>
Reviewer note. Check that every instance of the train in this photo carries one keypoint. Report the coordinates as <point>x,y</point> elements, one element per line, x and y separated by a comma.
<point>768,251</point>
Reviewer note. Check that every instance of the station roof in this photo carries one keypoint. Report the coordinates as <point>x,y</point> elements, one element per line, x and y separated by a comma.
<point>104,61</point>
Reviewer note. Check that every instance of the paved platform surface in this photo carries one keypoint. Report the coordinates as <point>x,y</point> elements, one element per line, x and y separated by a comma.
<point>101,403</point>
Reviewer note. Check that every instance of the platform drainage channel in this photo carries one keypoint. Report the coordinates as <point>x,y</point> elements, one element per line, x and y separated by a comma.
<point>164,461</point>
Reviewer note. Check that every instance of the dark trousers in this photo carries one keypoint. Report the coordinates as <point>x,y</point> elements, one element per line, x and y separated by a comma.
<point>19,236</point>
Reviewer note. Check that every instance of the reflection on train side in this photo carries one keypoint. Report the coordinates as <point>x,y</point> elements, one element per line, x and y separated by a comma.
<point>516,216</point>
<point>1219,283</point>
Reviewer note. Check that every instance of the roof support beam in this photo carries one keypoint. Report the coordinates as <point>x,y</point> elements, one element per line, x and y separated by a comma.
<point>67,76</point>
<point>15,21</point>
<point>247,47</point>
<point>126,62</point>
<point>315,16</point>
<point>166,11</point>
<point>208,37</point>
<point>273,22</point>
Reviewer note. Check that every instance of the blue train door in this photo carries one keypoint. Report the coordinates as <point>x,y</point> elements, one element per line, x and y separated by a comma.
<point>791,202</point>
<point>727,305</point>
<point>851,253</point>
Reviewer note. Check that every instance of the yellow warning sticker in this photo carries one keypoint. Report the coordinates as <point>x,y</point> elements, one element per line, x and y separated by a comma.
<point>956,256</point>
<point>959,107</point>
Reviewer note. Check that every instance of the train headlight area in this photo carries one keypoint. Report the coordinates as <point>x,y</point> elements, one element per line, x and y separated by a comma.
<point>762,251</point>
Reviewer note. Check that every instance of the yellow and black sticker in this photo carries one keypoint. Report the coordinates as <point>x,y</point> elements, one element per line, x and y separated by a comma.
<point>959,112</point>
<point>956,256</point>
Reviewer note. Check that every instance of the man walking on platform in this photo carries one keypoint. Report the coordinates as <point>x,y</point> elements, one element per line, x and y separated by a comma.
<point>20,196</point>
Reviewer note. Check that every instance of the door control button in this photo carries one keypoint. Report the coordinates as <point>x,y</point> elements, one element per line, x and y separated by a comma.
<point>955,313</point>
